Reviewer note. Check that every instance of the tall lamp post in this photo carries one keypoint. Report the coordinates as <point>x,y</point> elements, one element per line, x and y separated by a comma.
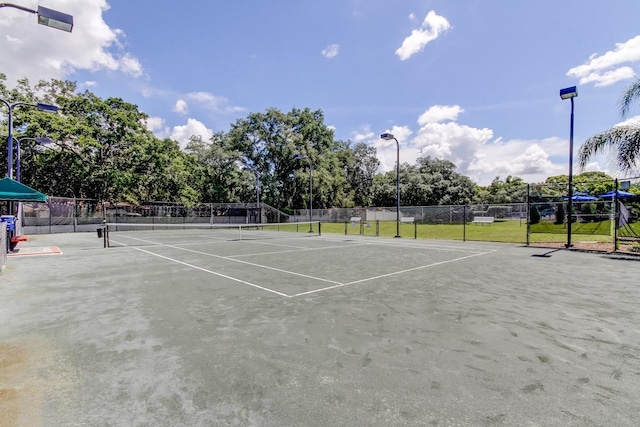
<point>41,107</point>
<point>42,140</point>
<point>303,157</point>
<point>48,17</point>
<point>570,93</point>
<point>389,137</point>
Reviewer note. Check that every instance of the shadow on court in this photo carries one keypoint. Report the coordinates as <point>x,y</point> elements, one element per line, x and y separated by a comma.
<point>317,331</point>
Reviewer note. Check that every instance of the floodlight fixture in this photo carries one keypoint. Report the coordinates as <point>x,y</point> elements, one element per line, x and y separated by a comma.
<point>569,92</point>
<point>47,17</point>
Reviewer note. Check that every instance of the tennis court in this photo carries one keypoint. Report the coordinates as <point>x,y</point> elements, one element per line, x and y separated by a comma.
<point>276,327</point>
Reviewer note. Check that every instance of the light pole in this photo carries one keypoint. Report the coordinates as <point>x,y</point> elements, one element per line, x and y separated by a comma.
<point>41,107</point>
<point>303,157</point>
<point>389,137</point>
<point>257,175</point>
<point>570,93</point>
<point>42,140</point>
<point>48,17</point>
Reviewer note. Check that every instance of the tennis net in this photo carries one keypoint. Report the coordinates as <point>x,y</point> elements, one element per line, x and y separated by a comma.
<point>137,234</point>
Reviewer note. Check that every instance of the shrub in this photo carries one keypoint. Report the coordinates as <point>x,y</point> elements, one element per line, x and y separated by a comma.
<point>560,214</point>
<point>534,215</point>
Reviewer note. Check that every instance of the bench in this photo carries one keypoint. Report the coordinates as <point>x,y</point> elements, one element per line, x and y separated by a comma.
<point>13,242</point>
<point>483,220</point>
<point>408,219</point>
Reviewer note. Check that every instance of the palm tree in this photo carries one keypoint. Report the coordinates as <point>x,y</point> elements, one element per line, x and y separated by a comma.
<point>622,138</point>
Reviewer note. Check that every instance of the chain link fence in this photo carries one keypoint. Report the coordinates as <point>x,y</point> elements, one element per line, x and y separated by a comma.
<point>597,216</point>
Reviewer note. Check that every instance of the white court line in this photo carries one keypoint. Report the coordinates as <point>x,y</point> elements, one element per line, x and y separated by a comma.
<point>239,261</point>
<point>412,245</point>
<point>298,250</point>
<point>388,274</point>
<point>335,286</point>
<point>214,273</point>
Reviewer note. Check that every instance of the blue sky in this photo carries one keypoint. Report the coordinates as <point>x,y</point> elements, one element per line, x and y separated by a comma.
<point>472,81</point>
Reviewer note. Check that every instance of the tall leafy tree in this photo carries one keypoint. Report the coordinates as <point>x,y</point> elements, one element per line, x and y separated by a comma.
<point>429,182</point>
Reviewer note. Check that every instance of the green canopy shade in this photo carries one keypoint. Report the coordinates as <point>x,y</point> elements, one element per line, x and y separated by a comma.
<point>14,191</point>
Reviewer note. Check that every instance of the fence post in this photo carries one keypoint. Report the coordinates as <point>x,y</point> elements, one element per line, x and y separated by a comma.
<point>464,223</point>
<point>528,210</point>
<point>616,217</point>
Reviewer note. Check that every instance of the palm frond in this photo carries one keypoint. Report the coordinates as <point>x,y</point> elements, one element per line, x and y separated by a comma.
<point>630,94</point>
<point>624,140</point>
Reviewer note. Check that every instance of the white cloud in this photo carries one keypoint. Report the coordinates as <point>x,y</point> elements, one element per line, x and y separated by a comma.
<point>217,104</point>
<point>37,52</point>
<point>631,121</point>
<point>604,70</point>
<point>363,134</point>
<point>452,141</point>
<point>158,126</point>
<point>474,151</point>
<point>440,113</point>
<point>331,51</point>
<point>387,150</point>
<point>193,127</point>
<point>181,107</point>
<point>432,26</point>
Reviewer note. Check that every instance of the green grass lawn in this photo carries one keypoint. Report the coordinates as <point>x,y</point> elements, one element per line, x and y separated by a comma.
<point>508,231</point>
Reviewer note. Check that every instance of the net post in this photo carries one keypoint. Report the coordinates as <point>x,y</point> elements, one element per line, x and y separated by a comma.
<point>377,228</point>
<point>319,228</point>
<point>415,228</point>
<point>346,227</point>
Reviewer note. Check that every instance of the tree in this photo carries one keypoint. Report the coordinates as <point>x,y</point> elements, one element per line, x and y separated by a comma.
<point>511,190</point>
<point>623,138</point>
<point>429,182</point>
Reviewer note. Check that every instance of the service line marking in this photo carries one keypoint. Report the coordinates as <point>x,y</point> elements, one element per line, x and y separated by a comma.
<point>213,272</point>
<point>388,274</point>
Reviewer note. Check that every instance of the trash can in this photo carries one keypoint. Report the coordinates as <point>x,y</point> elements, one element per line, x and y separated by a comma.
<point>10,220</point>
<point>100,231</point>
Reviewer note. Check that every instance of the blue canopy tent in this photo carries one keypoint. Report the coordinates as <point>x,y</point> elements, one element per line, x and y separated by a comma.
<point>611,194</point>
<point>581,198</point>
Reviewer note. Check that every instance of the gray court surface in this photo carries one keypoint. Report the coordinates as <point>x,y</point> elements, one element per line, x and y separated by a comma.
<point>317,331</point>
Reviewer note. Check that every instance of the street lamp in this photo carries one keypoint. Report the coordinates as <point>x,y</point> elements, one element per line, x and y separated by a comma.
<point>389,137</point>
<point>42,107</point>
<point>42,140</point>
<point>570,93</point>
<point>48,17</point>
<point>303,157</point>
